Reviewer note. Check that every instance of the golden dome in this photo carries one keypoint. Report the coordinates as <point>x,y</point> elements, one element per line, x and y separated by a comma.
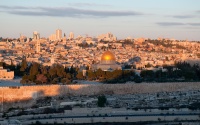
<point>108,56</point>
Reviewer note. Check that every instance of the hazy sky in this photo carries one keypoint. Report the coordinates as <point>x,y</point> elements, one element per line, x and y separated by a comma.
<point>178,19</point>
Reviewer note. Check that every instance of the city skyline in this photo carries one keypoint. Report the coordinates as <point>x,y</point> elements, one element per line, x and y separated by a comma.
<point>168,19</point>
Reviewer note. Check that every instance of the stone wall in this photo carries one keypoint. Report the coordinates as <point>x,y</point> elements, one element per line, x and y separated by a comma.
<point>10,94</point>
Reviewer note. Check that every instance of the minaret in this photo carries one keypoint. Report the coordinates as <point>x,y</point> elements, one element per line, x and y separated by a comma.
<point>8,44</point>
<point>38,46</point>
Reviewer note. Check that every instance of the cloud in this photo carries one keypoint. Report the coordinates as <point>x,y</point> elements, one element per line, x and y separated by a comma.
<point>177,24</point>
<point>183,16</point>
<point>194,24</point>
<point>170,23</point>
<point>87,4</point>
<point>13,8</point>
<point>65,12</point>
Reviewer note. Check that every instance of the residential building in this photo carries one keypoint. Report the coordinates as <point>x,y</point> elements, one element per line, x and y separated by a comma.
<point>58,34</point>
<point>5,74</point>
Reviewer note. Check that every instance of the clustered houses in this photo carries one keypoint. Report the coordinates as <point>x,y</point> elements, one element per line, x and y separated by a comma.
<point>84,51</point>
<point>6,74</point>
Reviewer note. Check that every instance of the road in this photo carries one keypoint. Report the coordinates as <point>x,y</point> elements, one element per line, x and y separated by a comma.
<point>63,118</point>
<point>114,115</point>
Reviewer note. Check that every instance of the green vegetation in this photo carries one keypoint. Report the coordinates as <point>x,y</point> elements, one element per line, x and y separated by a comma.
<point>34,73</point>
<point>101,101</point>
<point>116,76</point>
<point>182,71</point>
<point>38,74</point>
<point>23,65</point>
<point>57,73</point>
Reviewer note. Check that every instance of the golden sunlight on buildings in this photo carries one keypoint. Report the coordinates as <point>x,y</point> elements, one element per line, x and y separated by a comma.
<point>5,74</point>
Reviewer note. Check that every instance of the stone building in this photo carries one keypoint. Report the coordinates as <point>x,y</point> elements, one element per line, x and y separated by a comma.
<point>5,74</point>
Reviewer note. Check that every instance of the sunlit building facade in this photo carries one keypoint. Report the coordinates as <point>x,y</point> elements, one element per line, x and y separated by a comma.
<point>58,34</point>
<point>5,74</point>
<point>71,35</point>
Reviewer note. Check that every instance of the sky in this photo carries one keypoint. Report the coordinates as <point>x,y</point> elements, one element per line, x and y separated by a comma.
<point>177,19</point>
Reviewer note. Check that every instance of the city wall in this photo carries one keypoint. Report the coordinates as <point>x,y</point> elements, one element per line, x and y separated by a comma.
<point>10,94</point>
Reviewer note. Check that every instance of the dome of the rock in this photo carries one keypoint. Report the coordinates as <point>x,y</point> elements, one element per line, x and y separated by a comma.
<point>107,63</point>
<point>108,56</point>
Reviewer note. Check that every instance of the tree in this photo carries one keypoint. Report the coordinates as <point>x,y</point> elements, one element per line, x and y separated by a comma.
<point>44,70</point>
<point>17,71</point>
<point>147,74</point>
<point>72,69</point>
<point>55,81</point>
<point>23,65</point>
<point>91,75</point>
<point>38,123</point>
<point>41,78</point>
<point>69,76</point>
<point>60,71</point>
<point>100,73</point>
<point>66,81</point>
<point>80,76</point>
<point>63,81</point>
<point>148,65</point>
<point>34,69</point>
<point>117,73</point>
<point>137,79</point>
<point>101,101</point>
<point>32,78</point>
<point>159,119</point>
<point>52,72</point>
<point>109,75</point>
<point>25,79</point>
<point>2,64</point>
